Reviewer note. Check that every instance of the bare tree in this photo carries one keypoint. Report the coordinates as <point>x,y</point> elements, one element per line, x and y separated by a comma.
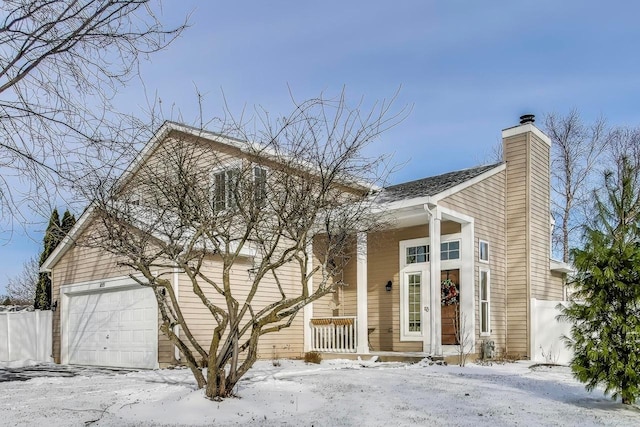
<point>494,154</point>
<point>61,63</point>
<point>464,336</point>
<point>283,208</point>
<point>624,147</point>
<point>21,289</point>
<point>576,149</point>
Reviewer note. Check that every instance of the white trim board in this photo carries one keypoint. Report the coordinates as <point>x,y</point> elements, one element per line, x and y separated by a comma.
<point>527,127</point>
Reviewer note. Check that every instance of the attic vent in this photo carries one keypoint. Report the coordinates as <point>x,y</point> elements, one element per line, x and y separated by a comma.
<point>527,118</point>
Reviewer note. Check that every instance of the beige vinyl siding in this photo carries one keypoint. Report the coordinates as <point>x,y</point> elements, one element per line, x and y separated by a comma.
<point>343,300</point>
<point>517,219</point>
<point>209,154</point>
<point>329,304</point>
<point>287,343</point>
<point>81,265</point>
<point>528,234</point>
<point>383,263</point>
<point>542,285</point>
<point>556,287</point>
<point>485,202</point>
<point>347,295</point>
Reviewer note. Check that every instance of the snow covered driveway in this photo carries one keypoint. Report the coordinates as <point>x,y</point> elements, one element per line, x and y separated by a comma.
<point>335,393</point>
<point>24,373</point>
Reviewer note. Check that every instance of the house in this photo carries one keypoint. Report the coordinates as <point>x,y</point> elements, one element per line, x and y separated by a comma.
<point>460,261</point>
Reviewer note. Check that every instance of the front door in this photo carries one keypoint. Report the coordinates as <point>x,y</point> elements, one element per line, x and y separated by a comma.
<point>450,310</point>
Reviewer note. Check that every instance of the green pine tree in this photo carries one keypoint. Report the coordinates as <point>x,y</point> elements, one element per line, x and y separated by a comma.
<point>68,221</point>
<point>43,289</point>
<point>605,335</point>
<point>56,230</point>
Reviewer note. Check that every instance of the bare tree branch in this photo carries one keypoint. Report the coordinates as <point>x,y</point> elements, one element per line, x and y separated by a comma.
<point>61,64</point>
<point>576,149</point>
<point>21,289</point>
<point>217,212</point>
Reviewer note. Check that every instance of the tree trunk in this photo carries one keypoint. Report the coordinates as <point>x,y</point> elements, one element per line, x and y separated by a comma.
<point>217,383</point>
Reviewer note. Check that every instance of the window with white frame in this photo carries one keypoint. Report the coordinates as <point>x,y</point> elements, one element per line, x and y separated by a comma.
<point>416,254</point>
<point>450,250</point>
<point>485,302</point>
<point>225,186</point>
<point>259,185</point>
<point>414,273</point>
<point>483,251</point>
<point>414,282</point>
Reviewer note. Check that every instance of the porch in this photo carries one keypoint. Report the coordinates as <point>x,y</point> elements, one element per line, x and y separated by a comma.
<point>448,356</point>
<point>389,300</point>
<point>336,338</point>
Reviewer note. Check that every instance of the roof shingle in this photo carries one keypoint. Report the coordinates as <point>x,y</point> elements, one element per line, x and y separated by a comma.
<point>432,185</point>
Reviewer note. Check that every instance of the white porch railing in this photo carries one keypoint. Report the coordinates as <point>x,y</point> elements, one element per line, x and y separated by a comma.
<point>333,334</point>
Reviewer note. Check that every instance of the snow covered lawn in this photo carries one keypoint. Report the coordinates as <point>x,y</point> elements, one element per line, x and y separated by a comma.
<point>335,393</point>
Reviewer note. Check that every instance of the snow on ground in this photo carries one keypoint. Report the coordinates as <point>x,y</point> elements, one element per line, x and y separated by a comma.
<point>335,393</point>
<point>19,364</point>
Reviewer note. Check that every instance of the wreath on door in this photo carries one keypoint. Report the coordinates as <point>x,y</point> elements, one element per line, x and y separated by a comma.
<point>449,293</point>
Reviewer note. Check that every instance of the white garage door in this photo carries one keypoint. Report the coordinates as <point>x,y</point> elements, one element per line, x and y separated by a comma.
<point>113,328</point>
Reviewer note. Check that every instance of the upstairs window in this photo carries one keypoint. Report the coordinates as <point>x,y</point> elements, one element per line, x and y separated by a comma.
<point>225,186</point>
<point>259,186</point>
<point>450,250</point>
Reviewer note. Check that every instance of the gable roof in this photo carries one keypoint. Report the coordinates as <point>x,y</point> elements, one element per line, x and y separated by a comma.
<point>158,138</point>
<point>434,185</point>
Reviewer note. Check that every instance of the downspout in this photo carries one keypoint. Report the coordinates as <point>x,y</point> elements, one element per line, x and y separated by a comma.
<point>57,308</point>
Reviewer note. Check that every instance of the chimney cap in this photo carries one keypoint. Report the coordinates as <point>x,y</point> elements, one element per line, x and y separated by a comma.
<point>527,118</point>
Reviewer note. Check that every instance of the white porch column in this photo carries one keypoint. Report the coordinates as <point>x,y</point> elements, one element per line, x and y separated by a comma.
<point>362,288</point>
<point>435,332</point>
<point>307,310</point>
<point>467,280</point>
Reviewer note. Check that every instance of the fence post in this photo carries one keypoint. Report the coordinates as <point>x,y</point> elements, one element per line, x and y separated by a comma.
<point>533,328</point>
<point>9,335</point>
<point>38,335</point>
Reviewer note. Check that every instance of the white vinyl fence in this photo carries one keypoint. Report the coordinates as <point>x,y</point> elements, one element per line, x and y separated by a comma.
<point>547,345</point>
<point>25,335</point>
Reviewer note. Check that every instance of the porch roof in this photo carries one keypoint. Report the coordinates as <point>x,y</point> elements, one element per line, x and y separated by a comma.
<point>433,185</point>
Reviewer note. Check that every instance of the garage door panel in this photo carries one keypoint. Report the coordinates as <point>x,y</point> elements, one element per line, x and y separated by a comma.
<point>113,328</point>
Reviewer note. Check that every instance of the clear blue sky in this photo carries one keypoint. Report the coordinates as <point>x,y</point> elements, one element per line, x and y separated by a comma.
<point>469,69</point>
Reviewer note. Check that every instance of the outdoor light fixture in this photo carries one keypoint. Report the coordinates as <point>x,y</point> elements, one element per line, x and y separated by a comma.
<point>54,306</point>
<point>389,285</point>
